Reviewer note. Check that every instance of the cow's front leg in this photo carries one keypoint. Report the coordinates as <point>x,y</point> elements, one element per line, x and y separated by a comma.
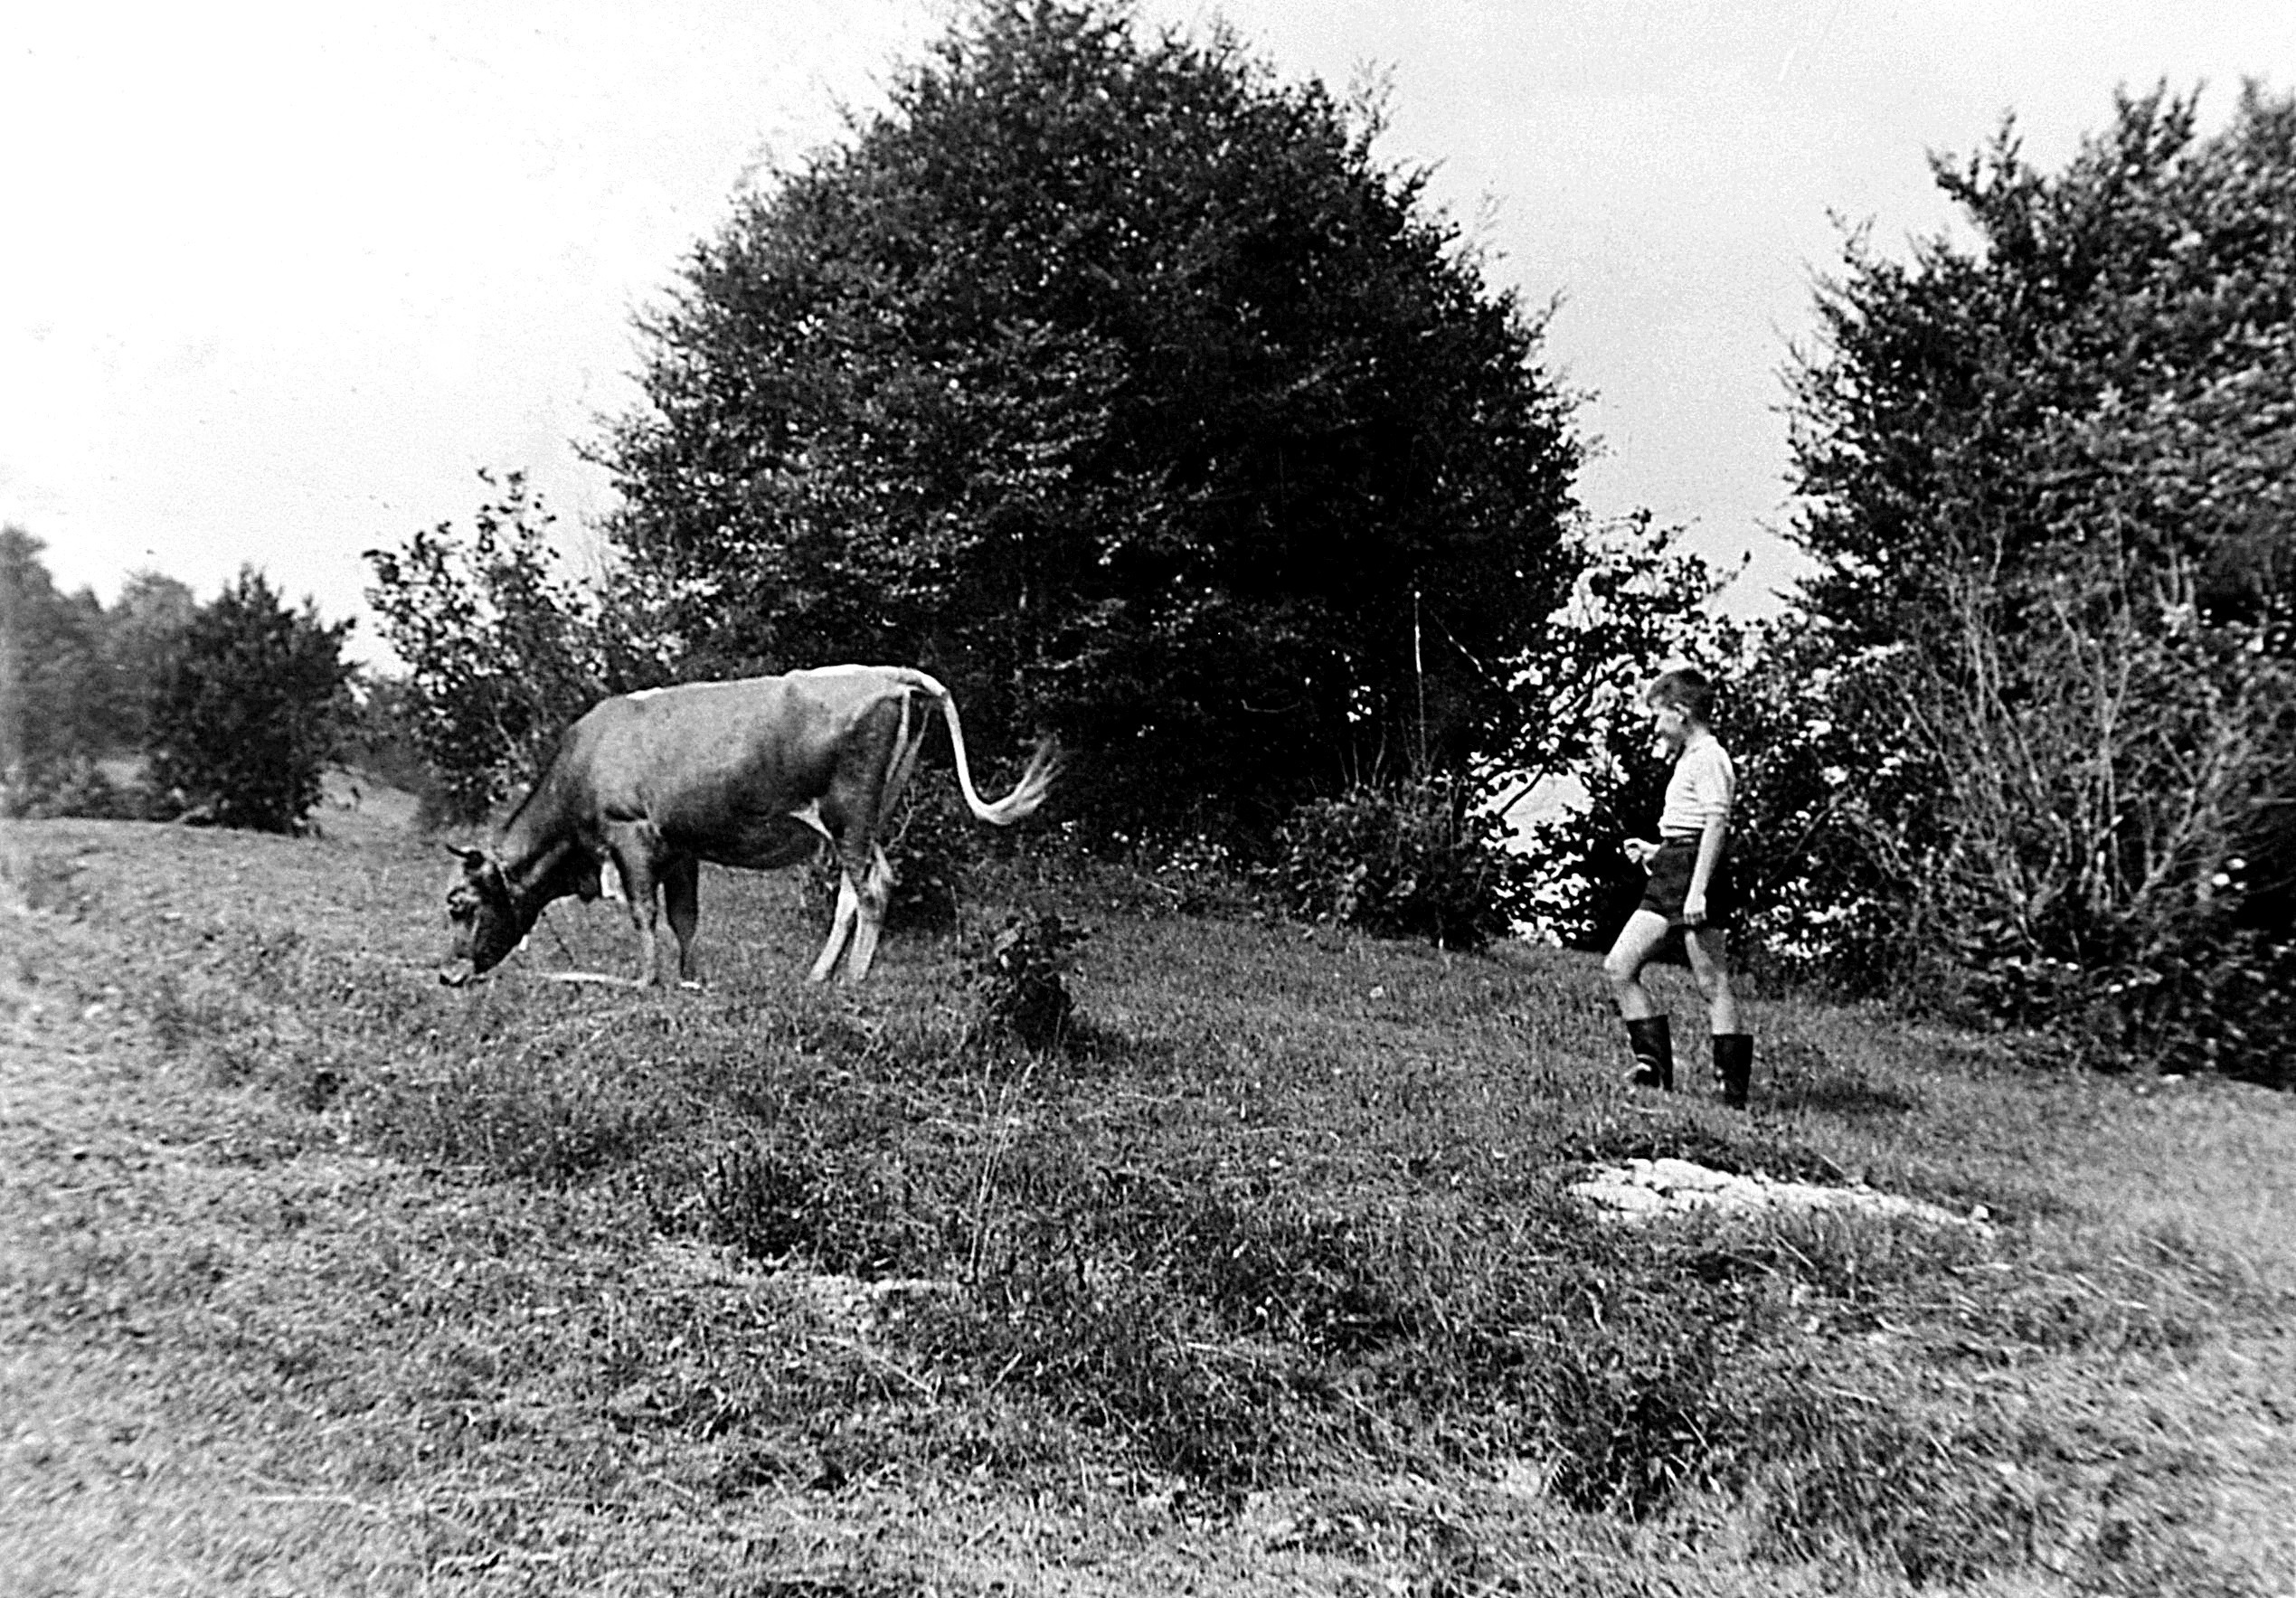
<point>682,903</point>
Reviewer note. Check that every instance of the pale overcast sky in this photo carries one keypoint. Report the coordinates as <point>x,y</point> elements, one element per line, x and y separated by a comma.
<point>277,280</point>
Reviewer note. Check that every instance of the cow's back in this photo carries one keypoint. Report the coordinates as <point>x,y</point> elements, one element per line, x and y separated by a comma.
<point>702,761</point>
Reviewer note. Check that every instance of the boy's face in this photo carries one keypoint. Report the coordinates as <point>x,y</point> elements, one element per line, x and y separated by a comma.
<point>1672,726</point>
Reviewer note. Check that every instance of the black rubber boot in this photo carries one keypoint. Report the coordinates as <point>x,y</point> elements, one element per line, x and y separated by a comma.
<point>1734,1066</point>
<point>1653,1045</point>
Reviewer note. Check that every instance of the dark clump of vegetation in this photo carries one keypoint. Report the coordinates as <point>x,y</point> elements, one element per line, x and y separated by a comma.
<point>1018,978</point>
<point>158,707</point>
<point>1407,860</point>
<point>521,1120</point>
<point>838,1183</point>
<point>251,709</point>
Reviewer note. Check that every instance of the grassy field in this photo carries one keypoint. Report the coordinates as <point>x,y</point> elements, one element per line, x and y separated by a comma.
<point>320,1278</point>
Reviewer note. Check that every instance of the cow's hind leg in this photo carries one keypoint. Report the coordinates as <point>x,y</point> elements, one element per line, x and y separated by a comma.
<point>840,929</point>
<point>638,883</point>
<point>682,904</point>
<point>861,794</point>
<point>876,889</point>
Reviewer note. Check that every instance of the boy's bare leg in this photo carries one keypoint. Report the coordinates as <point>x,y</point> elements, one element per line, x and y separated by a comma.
<point>1637,940</point>
<point>1647,1031</point>
<point>1709,951</point>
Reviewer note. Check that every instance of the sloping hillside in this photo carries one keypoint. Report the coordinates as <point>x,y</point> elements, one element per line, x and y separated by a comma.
<point>320,1277</point>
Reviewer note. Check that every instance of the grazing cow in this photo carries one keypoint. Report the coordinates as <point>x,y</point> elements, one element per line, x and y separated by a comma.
<point>754,773</point>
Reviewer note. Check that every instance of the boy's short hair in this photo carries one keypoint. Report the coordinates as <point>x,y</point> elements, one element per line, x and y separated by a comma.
<point>1686,689</point>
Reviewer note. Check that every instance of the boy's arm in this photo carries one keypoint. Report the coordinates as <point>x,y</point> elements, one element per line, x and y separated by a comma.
<point>1711,837</point>
<point>1715,833</point>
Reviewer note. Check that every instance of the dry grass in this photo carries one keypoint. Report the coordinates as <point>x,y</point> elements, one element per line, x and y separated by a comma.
<point>316,1277</point>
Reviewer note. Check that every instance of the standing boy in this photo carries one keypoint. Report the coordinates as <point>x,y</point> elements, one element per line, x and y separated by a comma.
<point>1690,888</point>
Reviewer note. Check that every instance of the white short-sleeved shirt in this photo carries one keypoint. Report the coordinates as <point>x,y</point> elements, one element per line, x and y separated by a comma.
<point>1701,788</point>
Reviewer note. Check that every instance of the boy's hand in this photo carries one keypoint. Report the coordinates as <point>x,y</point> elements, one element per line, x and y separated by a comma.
<point>1640,850</point>
<point>1694,909</point>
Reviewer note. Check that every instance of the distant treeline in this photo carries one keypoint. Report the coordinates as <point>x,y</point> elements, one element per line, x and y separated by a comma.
<point>161,707</point>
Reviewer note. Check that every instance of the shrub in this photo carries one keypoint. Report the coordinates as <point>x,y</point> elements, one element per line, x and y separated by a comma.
<point>2045,478</point>
<point>1414,860</point>
<point>80,786</point>
<point>1198,874</point>
<point>1019,978</point>
<point>504,648</point>
<point>252,708</point>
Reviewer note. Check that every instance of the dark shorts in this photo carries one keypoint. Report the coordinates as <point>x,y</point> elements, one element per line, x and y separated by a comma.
<point>1670,883</point>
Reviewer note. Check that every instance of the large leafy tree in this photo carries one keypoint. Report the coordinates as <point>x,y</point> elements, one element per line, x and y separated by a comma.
<point>1117,382</point>
<point>252,708</point>
<point>2110,376</point>
<point>2052,488</point>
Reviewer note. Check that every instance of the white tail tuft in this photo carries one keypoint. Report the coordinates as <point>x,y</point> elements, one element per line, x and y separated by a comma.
<point>1028,793</point>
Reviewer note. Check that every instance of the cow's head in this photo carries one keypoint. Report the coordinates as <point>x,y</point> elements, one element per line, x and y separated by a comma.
<point>484,917</point>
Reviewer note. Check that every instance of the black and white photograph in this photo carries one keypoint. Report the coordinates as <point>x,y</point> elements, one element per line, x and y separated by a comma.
<point>921,799</point>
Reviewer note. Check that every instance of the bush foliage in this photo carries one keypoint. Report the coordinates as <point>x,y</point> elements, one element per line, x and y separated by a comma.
<point>1414,859</point>
<point>1018,978</point>
<point>504,648</point>
<point>252,708</point>
<point>2045,699</point>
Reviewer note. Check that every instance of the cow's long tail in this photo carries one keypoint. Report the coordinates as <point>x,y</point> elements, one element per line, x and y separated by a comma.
<point>1027,794</point>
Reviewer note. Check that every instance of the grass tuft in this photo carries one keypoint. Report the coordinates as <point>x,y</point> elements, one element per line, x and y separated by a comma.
<point>514,1118</point>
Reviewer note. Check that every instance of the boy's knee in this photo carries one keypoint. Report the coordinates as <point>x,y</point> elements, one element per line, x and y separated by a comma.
<point>1619,971</point>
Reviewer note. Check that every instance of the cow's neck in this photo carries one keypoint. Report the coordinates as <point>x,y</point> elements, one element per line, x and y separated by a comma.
<point>536,870</point>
